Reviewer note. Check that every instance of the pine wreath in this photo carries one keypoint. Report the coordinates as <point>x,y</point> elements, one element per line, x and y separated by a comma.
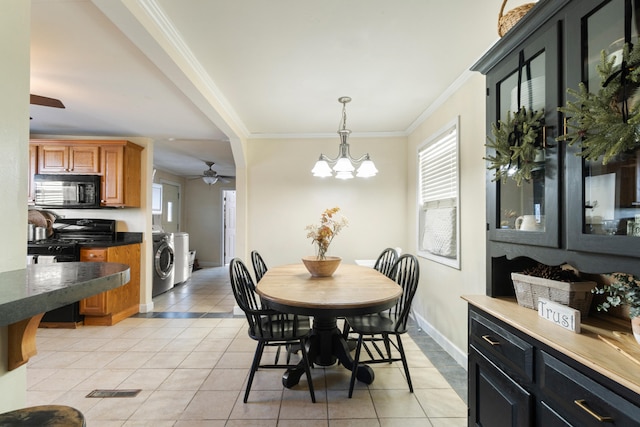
<point>516,145</point>
<point>605,124</point>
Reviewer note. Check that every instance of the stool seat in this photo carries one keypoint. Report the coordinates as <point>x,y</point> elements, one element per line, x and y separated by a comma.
<point>44,415</point>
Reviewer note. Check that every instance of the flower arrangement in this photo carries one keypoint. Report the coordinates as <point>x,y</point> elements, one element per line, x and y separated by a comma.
<point>625,289</point>
<point>322,235</point>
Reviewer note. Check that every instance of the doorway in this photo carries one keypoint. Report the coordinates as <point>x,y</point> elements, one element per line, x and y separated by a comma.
<point>229,225</point>
<point>171,207</point>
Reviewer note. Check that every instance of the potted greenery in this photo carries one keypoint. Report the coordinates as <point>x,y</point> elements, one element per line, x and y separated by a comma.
<point>623,290</point>
<point>518,145</point>
<point>322,235</point>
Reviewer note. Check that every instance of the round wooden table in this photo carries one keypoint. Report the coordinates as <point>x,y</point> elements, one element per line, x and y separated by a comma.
<point>352,290</point>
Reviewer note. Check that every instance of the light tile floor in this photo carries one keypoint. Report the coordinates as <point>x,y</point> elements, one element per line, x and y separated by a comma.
<point>190,358</point>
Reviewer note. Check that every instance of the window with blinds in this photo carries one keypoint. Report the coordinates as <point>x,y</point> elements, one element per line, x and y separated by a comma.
<point>438,192</point>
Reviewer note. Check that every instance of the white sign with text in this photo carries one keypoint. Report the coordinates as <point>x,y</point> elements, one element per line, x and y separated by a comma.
<point>559,314</point>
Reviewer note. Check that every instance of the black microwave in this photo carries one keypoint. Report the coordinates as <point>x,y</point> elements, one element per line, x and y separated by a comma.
<point>67,191</point>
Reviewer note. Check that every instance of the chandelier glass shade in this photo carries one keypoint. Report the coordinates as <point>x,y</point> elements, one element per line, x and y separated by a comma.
<point>344,164</point>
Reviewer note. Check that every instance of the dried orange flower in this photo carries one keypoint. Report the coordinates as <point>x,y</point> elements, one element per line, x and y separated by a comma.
<point>329,227</point>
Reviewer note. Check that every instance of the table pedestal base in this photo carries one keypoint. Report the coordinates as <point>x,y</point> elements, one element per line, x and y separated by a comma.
<point>326,345</point>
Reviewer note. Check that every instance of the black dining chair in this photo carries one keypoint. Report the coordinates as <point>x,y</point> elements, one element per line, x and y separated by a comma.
<point>381,327</point>
<point>268,327</point>
<point>386,260</point>
<point>384,264</point>
<point>259,270</point>
<point>259,266</point>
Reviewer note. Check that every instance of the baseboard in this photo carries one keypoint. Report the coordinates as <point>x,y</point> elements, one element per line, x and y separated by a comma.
<point>208,264</point>
<point>459,356</point>
<point>146,308</point>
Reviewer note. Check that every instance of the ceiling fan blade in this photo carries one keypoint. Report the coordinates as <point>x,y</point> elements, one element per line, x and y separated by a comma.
<point>46,102</point>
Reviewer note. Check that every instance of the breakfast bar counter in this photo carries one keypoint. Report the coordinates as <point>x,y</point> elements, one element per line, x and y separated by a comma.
<point>28,293</point>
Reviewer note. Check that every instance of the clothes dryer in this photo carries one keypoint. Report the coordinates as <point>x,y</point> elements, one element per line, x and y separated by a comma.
<point>163,263</point>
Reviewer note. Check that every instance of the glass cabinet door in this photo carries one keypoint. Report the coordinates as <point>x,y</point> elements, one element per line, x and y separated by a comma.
<point>527,211</point>
<point>605,215</point>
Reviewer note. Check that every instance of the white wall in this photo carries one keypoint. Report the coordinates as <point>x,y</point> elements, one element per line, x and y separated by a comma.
<point>438,304</point>
<point>283,198</point>
<point>204,220</point>
<point>14,140</point>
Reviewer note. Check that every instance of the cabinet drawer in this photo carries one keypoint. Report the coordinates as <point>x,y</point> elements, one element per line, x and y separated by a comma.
<point>95,255</point>
<point>581,400</point>
<point>506,350</point>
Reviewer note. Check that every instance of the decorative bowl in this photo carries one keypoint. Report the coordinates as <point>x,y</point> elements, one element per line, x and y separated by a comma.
<point>321,267</point>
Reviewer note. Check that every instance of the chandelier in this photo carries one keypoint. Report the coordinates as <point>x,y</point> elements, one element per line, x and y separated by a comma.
<point>343,164</point>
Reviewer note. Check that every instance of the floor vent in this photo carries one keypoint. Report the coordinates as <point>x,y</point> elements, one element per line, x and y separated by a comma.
<point>114,393</point>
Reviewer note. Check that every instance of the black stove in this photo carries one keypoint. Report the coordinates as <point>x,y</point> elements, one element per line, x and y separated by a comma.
<point>64,246</point>
<point>68,235</point>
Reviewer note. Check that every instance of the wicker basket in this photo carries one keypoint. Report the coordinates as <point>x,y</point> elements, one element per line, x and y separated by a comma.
<point>574,294</point>
<point>509,19</point>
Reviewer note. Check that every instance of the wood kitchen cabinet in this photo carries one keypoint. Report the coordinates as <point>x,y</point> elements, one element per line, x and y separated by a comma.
<point>74,159</point>
<point>121,175</point>
<point>118,162</point>
<point>109,308</point>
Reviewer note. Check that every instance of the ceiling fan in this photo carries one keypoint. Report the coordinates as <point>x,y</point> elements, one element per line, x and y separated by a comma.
<point>45,101</point>
<point>210,176</point>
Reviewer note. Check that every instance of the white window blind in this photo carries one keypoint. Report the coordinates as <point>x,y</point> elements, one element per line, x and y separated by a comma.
<point>439,168</point>
<point>438,190</point>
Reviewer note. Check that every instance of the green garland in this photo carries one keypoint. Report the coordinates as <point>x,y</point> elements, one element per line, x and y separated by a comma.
<point>598,124</point>
<point>516,146</point>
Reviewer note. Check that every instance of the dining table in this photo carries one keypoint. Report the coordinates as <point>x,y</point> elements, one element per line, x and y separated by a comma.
<point>352,290</point>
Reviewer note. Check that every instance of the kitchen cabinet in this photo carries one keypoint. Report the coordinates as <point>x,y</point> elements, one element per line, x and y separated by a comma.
<point>516,380</point>
<point>121,174</point>
<point>109,308</point>
<point>118,162</point>
<point>72,158</point>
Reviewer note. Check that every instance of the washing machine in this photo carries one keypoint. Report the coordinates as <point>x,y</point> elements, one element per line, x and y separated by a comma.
<point>181,250</point>
<point>163,263</point>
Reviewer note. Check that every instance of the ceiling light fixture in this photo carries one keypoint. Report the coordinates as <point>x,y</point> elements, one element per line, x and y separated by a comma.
<point>210,176</point>
<point>210,179</point>
<point>344,164</point>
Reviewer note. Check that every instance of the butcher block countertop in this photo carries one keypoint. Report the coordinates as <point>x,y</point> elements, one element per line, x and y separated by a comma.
<point>605,345</point>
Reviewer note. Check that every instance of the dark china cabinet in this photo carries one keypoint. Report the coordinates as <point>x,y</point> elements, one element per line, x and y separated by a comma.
<point>571,211</point>
<point>603,214</point>
<point>527,213</point>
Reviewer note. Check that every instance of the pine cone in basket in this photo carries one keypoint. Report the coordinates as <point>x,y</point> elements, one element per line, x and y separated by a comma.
<point>552,273</point>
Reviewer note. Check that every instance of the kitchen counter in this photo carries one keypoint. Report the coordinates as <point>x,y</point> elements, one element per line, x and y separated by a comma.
<point>585,347</point>
<point>43,287</point>
<point>27,294</point>
<point>122,238</point>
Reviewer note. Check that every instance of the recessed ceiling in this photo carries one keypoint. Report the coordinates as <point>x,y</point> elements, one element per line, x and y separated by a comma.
<point>193,74</point>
